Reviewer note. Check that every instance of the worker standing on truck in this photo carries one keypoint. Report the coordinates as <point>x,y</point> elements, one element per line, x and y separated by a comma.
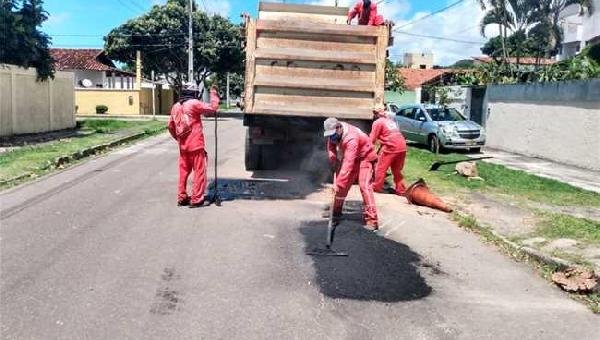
<point>393,150</point>
<point>185,126</point>
<point>357,161</point>
<point>366,12</point>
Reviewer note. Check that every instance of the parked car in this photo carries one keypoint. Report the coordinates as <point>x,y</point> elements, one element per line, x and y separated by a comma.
<point>438,127</point>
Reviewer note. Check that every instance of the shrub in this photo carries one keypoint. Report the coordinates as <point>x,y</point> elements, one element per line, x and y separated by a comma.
<point>101,109</point>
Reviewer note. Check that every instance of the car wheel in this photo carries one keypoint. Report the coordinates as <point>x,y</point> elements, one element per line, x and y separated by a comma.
<point>434,144</point>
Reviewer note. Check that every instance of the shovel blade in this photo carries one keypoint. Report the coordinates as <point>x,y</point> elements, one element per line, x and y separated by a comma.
<point>326,252</point>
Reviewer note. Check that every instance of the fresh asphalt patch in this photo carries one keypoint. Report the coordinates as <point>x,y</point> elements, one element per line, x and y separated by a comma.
<point>377,269</point>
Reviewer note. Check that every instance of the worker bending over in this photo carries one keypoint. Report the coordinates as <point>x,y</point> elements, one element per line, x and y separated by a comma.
<point>358,157</point>
<point>393,150</point>
<point>366,12</point>
<point>185,125</point>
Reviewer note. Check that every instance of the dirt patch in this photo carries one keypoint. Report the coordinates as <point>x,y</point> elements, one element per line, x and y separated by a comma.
<point>167,299</point>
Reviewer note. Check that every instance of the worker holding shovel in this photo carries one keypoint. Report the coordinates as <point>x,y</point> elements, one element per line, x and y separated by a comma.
<point>358,159</point>
<point>392,153</point>
<point>185,126</point>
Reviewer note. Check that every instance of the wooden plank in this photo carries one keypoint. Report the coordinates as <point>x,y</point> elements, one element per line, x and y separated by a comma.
<point>304,17</point>
<point>313,93</point>
<point>314,102</point>
<point>320,45</point>
<point>313,83</point>
<point>318,65</point>
<point>295,8</point>
<point>382,43</point>
<point>321,30</point>
<point>336,112</point>
<point>250,64</point>
<point>332,38</point>
<point>301,72</point>
<point>293,54</point>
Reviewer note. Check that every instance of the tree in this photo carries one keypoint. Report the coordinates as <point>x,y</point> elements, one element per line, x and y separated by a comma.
<point>161,36</point>
<point>21,41</point>
<point>513,15</point>
<point>394,81</point>
<point>548,17</point>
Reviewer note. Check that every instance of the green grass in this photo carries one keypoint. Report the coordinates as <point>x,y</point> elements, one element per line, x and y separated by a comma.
<point>498,179</point>
<point>34,159</point>
<point>554,226</point>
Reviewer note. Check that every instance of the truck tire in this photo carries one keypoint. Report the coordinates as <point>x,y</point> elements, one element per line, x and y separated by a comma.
<point>253,154</point>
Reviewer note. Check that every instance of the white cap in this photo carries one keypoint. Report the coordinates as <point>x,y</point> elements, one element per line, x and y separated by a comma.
<point>330,124</point>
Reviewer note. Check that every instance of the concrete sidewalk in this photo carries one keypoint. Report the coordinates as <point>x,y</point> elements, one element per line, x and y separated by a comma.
<point>577,177</point>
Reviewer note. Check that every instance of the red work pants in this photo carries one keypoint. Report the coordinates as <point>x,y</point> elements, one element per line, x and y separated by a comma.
<point>396,162</point>
<point>194,161</point>
<point>364,171</point>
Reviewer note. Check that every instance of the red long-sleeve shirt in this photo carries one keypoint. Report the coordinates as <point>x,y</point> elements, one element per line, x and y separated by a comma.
<point>386,131</point>
<point>355,147</point>
<point>363,19</point>
<point>194,141</point>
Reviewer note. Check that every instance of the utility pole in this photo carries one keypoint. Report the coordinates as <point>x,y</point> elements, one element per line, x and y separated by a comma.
<point>190,45</point>
<point>153,96</point>
<point>228,105</point>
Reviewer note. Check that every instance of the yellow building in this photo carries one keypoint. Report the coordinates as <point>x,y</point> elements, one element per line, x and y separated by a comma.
<point>97,81</point>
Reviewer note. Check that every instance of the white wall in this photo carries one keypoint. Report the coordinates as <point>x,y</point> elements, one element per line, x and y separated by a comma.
<point>30,106</point>
<point>557,121</point>
<point>591,23</point>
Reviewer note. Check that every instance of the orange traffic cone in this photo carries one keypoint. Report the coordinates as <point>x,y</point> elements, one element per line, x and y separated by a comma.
<point>418,194</point>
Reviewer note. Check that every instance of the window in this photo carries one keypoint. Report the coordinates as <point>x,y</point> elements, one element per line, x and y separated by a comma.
<point>420,115</point>
<point>446,115</point>
<point>409,113</point>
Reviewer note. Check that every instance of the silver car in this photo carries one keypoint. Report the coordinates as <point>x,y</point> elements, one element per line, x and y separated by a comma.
<point>438,127</point>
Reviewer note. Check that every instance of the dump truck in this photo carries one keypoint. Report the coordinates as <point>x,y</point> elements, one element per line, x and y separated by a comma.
<point>304,63</point>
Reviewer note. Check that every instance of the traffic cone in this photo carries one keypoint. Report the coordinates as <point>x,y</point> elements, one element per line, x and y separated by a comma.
<point>418,194</point>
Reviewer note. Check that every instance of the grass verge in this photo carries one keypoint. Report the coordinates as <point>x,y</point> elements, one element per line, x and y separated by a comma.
<point>544,269</point>
<point>34,159</point>
<point>553,226</point>
<point>498,179</point>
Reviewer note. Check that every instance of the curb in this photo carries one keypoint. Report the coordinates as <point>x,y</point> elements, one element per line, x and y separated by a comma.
<point>81,154</point>
<point>512,246</point>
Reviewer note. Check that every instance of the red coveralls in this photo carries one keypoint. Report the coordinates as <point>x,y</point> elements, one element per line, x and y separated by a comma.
<point>358,159</point>
<point>372,20</point>
<point>392,153</point>
<point>192,156</point>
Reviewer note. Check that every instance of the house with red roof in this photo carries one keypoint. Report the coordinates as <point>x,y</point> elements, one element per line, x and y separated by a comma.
<point>414,78</point>
<point>98,81</point>
<point>92,68</point>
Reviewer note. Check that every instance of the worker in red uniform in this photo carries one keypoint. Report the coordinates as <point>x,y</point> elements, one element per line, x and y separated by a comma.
<point>185,125</point>
<point>358,158</point>
<point>392,152</point>
<point>366,12</point>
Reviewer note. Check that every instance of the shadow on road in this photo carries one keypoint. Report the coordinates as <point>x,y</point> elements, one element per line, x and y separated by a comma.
<point>377,269</point>
<point>266,185</point>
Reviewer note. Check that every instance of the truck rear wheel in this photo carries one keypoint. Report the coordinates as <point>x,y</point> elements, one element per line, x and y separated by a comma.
<point>253,154</point>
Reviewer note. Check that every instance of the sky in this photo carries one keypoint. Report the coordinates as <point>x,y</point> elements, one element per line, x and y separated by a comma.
<point>83,23</point>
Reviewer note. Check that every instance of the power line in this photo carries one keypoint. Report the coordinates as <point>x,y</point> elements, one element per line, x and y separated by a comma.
<point>430,14</point>
<point>128,6</point>
<point>441,38</point>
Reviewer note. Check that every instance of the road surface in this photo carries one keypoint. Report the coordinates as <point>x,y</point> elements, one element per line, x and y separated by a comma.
<point>100,251</point>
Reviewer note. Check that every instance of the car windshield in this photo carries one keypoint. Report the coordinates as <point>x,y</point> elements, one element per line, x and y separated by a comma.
<point>445,115</point>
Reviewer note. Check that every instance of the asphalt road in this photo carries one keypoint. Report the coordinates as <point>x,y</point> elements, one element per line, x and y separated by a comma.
<point>100,251</point>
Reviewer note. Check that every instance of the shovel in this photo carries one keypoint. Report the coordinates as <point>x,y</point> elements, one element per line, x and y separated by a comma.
<point>435,166</point>
<point>330,234</point>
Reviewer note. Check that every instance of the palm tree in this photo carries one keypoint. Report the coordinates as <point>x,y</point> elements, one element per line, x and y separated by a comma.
<point>513,15</point>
